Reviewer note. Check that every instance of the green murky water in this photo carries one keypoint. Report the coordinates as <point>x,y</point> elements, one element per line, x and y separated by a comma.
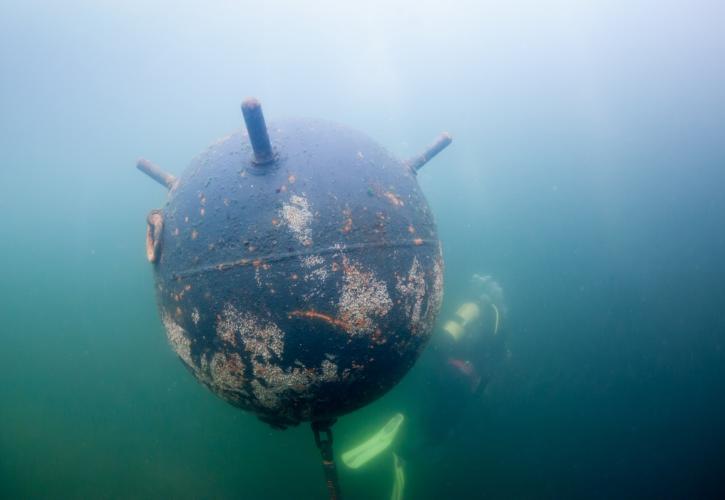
<point>586,175</point>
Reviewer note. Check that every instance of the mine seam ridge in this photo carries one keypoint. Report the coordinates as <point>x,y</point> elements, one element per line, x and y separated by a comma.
<point>256,261</point>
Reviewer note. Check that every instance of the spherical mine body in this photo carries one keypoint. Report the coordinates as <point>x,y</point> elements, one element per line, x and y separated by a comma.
<point>304,288</point>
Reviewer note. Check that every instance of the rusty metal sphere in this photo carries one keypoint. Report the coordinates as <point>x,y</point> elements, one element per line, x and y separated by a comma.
<point>300,277</point>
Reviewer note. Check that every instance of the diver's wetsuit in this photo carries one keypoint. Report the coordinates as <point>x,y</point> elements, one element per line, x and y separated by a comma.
<point>462,370</point>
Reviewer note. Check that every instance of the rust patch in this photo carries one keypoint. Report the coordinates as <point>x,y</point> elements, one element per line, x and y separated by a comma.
<point>347,226</point>
<point>227,371</point>
<point>393,199</point>
<point>312,314</point>
<point>377,338</point>
<point>418,242</point>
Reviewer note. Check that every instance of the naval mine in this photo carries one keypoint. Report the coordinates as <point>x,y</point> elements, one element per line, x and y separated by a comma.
<point>297,266</point>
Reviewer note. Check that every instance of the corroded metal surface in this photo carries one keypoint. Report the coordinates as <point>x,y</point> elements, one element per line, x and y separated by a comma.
<point>304,288</point>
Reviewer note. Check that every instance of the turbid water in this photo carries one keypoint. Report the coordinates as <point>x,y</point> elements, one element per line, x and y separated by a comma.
<point>586,176</point>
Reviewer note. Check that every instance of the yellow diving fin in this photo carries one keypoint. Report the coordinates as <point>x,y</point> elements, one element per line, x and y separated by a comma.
<point>399,484</point>
<point>373,446</point>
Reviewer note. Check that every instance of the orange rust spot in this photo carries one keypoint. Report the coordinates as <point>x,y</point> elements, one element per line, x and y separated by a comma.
<point>378,338</point>
<point>256,262</point>
<point>291,179</point>
<point>275,222</point>
<point>348,226</point>
<point>335,267</point>
<point>356,323</point>
<point>411,229</point>
<point>194,234</point>
<point>417,242</point>
<point>393,199</point>
<point>312,314</point>
<point>347,266</point>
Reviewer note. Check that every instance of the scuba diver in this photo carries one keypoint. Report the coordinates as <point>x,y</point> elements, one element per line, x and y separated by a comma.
<point>468,350</point>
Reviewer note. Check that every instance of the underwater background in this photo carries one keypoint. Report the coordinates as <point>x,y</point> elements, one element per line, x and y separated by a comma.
<point>586,175</point>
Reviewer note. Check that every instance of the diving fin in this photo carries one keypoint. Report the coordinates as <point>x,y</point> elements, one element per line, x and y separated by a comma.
<point>373,446</point>
<point>497,316</point>
<point>399,484</point>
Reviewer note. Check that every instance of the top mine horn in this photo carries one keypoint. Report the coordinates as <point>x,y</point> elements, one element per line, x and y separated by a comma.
<point>257,130</point>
